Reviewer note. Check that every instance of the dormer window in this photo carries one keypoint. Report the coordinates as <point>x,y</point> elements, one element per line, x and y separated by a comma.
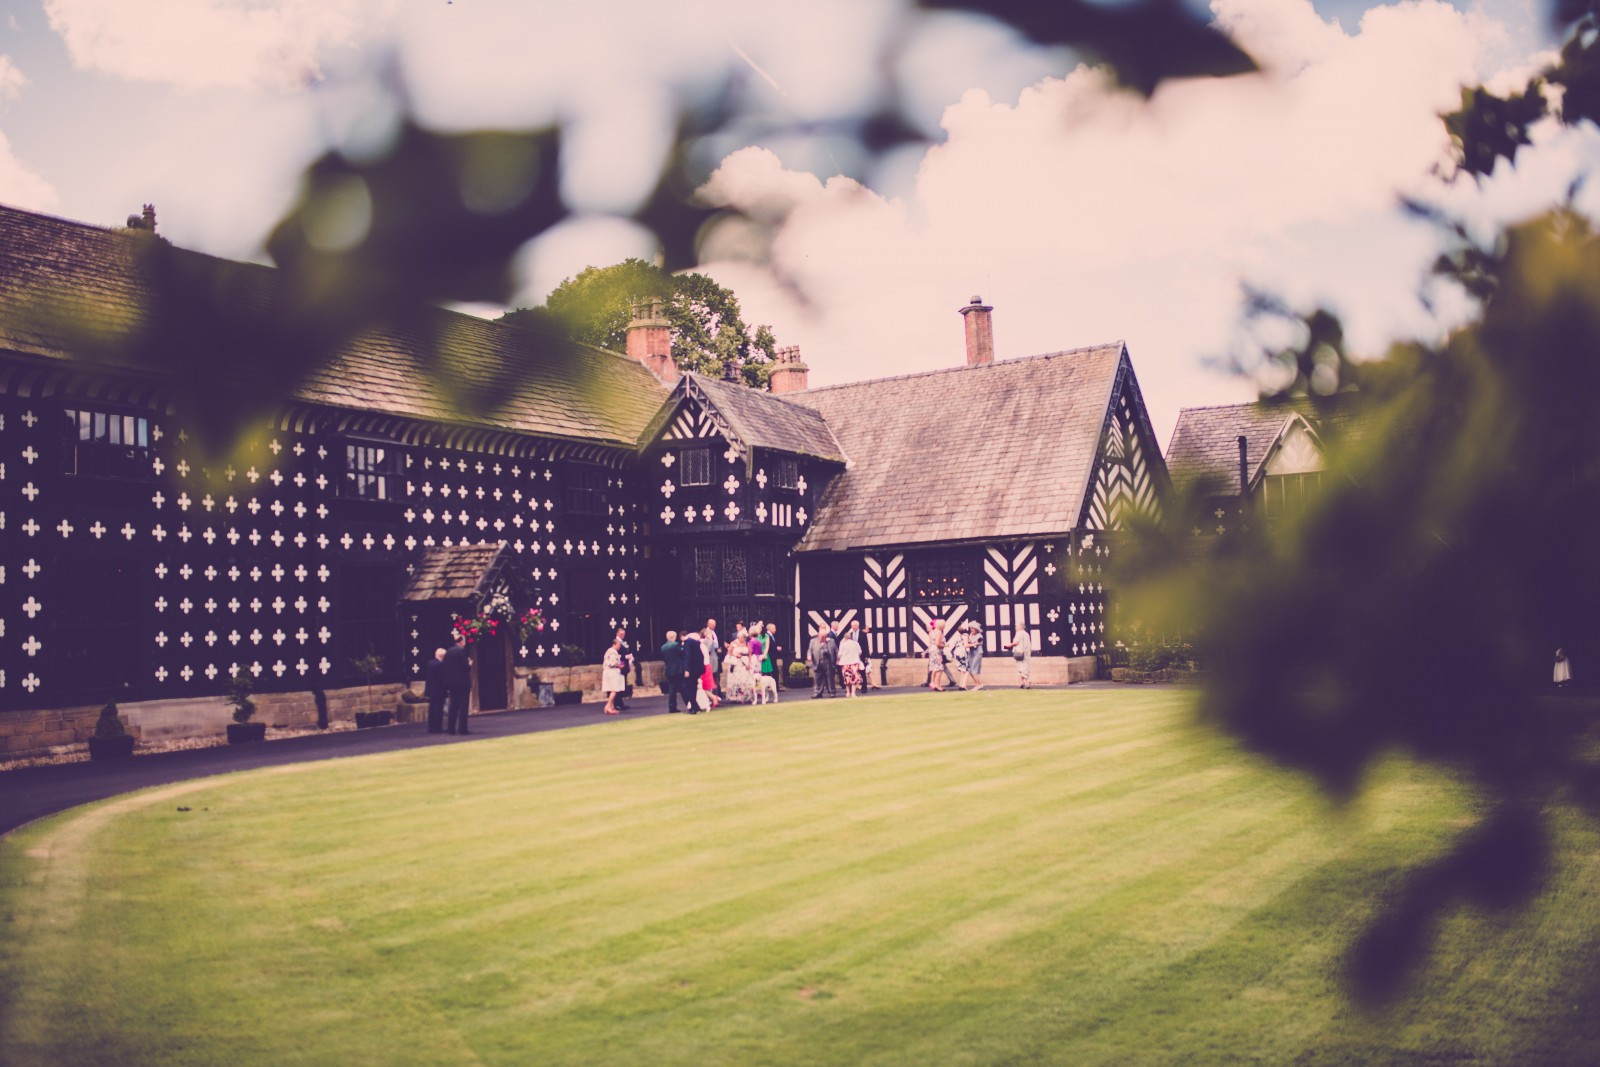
<point>694,466</point>
<point>786,472</point>
<point>371,471</point>
<point>102,444</point>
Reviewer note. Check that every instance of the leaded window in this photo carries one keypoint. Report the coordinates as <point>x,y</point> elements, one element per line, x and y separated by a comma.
<point>735,578</point>
<point>705,570</point>
<point>103,444</point>
<point>586,490</point>
<point>694,466</point>
<point>372,471</point>
<point>786,473</point>
<point>939,576</point>
<point>764,571</point>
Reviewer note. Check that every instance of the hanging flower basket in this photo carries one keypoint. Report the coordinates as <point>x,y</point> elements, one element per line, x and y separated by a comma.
<point>497,617</point>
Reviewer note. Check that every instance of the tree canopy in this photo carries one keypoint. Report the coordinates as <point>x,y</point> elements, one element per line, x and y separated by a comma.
<point>708,328</point>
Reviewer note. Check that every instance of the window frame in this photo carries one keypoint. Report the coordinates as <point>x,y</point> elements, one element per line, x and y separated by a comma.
<point>385,471</point>
<point>88,450</point>
<point>700,459</point>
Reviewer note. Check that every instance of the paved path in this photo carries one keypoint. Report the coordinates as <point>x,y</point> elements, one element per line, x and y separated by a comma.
<point>30,793</point>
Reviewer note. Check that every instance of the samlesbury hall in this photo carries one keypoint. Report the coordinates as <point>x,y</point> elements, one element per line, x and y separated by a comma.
<point>604,490</point>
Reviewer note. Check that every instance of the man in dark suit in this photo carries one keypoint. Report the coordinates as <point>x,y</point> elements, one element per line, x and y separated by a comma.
<point>820,658</point>
<point>458,680</point>
<point>674,672</point>
<point>694,662</point>
<point>434,689</point>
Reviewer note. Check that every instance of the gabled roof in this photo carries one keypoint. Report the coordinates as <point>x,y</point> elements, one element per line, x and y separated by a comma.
<point>995,451</point>
<point>455,573</point>
<point>1203,452</point>
<point>752,418</point>
<point>551,387</point>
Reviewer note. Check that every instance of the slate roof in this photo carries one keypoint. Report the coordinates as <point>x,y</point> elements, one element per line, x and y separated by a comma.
<point>761,420</point>
<point>1204,447</point>
<point>453,573</point>
<point>552,387</point>
<point>996,451</point>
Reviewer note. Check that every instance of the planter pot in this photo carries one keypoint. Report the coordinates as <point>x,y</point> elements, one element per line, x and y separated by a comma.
<point>571,696</point>
<point>111,747</point>
<point>365,719</point>
<point>244,733</point>
<point>547,694</point>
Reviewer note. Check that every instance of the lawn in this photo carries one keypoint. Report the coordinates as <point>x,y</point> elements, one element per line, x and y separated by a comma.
<point>1072,877</point>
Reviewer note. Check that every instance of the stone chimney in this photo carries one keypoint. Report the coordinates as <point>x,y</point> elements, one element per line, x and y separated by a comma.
<point>650,340</point>
<point>980,332</point>
<point>145,220</point>
<point>789,375</point>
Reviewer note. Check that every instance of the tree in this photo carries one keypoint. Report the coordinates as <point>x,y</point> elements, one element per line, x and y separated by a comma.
<point>1418,606</point>
<point>708,327</point>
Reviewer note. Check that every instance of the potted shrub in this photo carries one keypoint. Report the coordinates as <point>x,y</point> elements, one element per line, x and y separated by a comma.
<point>570,656</point>
<point>369,667</point>
<point>110,740</point>
<point>241,730</point>
<point>799,675</point>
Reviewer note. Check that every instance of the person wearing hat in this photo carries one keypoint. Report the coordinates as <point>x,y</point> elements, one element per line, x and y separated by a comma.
<point>974,665</point>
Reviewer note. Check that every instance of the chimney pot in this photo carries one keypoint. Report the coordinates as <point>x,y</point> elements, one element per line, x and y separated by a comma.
<point>789,375</point>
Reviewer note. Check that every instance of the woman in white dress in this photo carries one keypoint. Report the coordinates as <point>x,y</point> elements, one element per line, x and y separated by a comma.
<point>739,685</point>
<point>850,664</point>
<point>611,680</point>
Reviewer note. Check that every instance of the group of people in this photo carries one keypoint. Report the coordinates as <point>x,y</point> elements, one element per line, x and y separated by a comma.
<point>448,680</point>
<point>956,659</point>
<point>702,672</point>
<point>838,660</point>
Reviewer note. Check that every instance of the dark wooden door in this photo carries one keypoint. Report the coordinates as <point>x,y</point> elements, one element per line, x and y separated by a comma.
<point>493,671</point>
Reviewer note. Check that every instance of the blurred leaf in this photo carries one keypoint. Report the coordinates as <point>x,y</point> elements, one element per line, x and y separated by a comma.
<point>1488,128</point>
<point>1144,41</point>
<point>435,219</point>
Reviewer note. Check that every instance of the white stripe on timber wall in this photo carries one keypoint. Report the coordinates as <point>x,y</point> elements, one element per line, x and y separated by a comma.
<point>1001,619</point>
<point>887,630</point>
<point>842,616</point>
<point>1011,573</point>
<point>886,581</point>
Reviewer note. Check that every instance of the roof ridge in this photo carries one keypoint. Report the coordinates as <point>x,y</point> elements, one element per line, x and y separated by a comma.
<point>1118,344</point>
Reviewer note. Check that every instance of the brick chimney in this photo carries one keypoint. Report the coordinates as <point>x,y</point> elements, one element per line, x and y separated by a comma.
<point>650,340</point>
<point>789,375</point>
<point>980,332</point>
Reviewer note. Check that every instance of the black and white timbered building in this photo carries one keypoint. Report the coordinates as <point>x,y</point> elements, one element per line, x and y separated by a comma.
<point>604,490</point>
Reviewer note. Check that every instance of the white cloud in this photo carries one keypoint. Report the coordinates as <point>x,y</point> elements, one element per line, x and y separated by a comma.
<point>12,80</point>
<point>199,44</point>
<point>1085,215</point>
<point>20,186</point>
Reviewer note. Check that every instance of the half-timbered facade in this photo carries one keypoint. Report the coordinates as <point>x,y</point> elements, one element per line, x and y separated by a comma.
<point>130,564</point>
<point>990,492</point>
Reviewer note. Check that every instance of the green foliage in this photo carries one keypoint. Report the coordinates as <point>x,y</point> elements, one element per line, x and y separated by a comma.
<point>240,685</point>
<point>798,669</point>
<point>708,330</point>
<point>109,724</point>
<point>1418,606</point>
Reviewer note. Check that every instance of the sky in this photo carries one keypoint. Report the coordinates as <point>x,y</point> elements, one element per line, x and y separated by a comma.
<point>1081,213</point>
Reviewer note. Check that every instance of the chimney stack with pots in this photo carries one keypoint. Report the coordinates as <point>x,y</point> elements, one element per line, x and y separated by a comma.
<point>650,340</point>
<point>146,220</point>
<point>789,375</point>
<point>980,332</point>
